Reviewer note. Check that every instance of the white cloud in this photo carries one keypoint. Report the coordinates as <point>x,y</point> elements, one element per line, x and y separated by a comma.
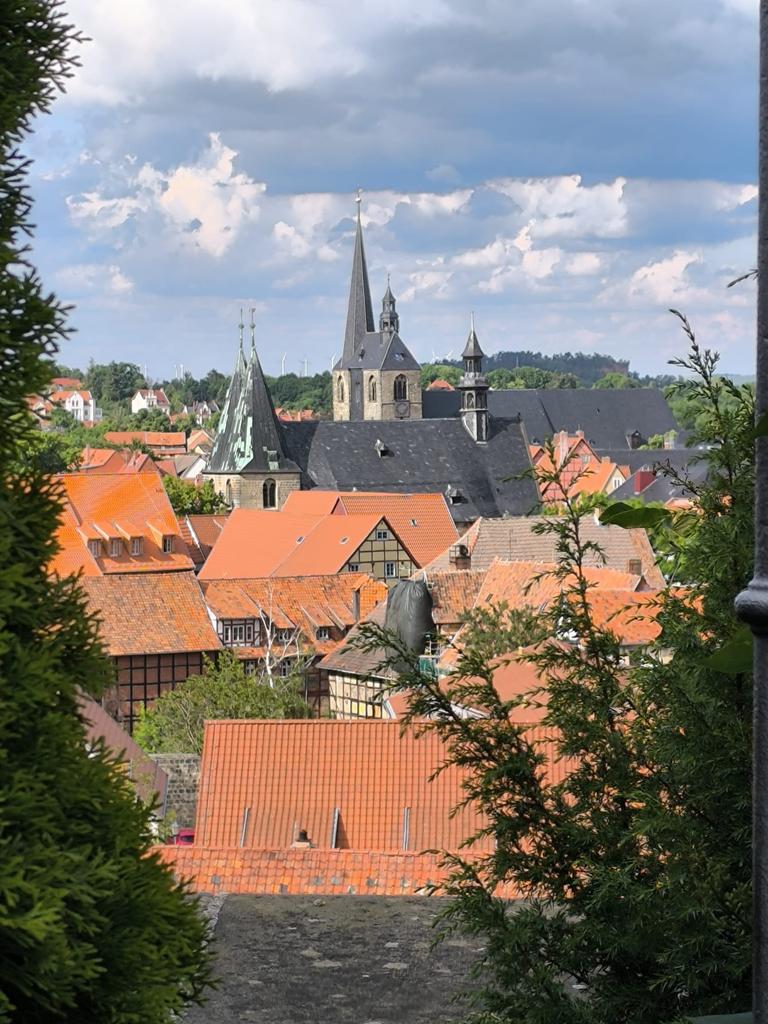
<point>563,207</point>
<point>82,278</point>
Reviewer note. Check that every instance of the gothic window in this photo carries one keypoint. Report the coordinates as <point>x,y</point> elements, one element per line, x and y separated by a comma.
<point>340,389</point>
<point>269,491</point>
<point>371,389</point>
<point>401,388</point>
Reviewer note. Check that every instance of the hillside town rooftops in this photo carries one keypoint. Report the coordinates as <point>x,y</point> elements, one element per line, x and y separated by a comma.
<point>160,440</point>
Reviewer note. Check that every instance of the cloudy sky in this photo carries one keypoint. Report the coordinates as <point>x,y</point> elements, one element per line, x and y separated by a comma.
<point>567,169</point>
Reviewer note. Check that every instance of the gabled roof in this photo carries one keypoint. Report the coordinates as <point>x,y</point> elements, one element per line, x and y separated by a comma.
<point>440,385</point>
<point>532,585</point>
<point>155,613</point>
<point>423,522</point>
<point>248,430</point>
<point>514,539</point>
<point>61,396</point>
<point>297,774</point>
<point>122,506</point>
<point>158,393</point>
<point>151,438</point>
<point>115,460</point>
<point>200,533</point>
<point>256,543</point>
<point>67,383</point>
<point>359,309</point>
<point>301,603</point>
<point>606,416</point>
<point>421,456</point>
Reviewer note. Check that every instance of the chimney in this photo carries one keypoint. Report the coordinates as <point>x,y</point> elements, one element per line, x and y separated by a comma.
<point>356,604</point>
<point>459,557</point>
<point>302,841</point>
<point>643,478</point>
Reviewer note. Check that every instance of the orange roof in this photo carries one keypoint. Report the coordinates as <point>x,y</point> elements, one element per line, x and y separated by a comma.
<point>70,383</point>
<point>293,775</point>
<point>256,543</point>
<point>302,603</point>
<point>583,471</point>
<point>422,522</point>
<point>440,385</point>
<point>199,437</point>
<point>119,506</point>
<point>507,581</point>
<point>631,616</point>
<point>200,533</point>
<point>62,396</point>
<point>115,460</point>
<point>154,613</point>
<point>151,438</point>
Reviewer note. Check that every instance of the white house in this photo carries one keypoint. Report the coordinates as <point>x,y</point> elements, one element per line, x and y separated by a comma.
<point>150,398</point>
<point>80,404</point>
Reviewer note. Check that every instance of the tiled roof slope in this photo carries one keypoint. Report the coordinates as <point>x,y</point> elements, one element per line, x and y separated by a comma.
<point>293,775</point>
<point>606,416</point>
<point>532,585</point>
<point>256,543</point>
<point>151,438</point>
<point>305,602</point>
<point>420,456</point>
<point>200,533</point>
<point>115,460</point>
<point>423,522</point>
<point>151,614</point>
<point>122,505</point>
<point>514,539</point>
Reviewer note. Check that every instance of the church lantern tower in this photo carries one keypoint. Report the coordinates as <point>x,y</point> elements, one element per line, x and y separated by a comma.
<point>389,320</point>
<point>473,388</point>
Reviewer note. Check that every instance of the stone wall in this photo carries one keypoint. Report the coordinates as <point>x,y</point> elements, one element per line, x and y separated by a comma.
<point>247,490</point>
<point>183,771</point>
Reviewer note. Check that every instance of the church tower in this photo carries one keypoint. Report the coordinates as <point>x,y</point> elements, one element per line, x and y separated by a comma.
<point>376,378</point>
<point>248,465</point>
<point>474,389</point>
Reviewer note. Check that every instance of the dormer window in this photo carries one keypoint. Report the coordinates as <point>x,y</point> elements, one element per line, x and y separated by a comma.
<point>115,547</point>
<point>167,545</point>
<point>136,545</point>
<point>94,547</point>
<point>381,448</point>
<point>323,633</point>
<point>272,460</point>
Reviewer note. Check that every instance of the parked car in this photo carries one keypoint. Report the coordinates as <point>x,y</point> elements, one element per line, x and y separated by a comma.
<point>184,837</point>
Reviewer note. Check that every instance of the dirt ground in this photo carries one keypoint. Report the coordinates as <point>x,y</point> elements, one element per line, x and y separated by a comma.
<point>333,960</point>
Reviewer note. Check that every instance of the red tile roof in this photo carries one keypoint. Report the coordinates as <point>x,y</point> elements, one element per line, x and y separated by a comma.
<point>422,522</point>
<point>257,543</point>
<point>157,613</point>
<point>200,533</point>
<point>151,438</point>
<point>440,385</point>
<point>293,775</point>
<point>122,506</point>
<point>115,460</point>
<point>517,583</point>
<point>68,383</point>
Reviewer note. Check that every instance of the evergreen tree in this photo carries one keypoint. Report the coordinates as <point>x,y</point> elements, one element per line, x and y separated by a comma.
<point>635,868</point>
<point>92,927</point>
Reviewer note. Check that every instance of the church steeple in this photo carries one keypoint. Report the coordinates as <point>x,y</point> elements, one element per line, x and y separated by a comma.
<point>474,388</point>
<point>389,321</point>
<point>360,310</point>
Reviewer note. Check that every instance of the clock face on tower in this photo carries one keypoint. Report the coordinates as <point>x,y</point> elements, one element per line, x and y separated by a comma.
<point>402,410</point>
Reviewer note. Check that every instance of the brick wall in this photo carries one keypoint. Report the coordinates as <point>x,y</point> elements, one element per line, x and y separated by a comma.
<point>183,771</point>
<point>306,872</point>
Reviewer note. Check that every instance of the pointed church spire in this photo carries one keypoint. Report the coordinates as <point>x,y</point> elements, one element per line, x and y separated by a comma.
<point>360,310</point>
<point>472,349</point>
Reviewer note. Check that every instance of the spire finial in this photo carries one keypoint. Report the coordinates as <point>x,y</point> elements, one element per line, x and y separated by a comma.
<point>472,321</point>
<point>253,329</point>
<point>359,200</point>
<point>387,280</point>
<point>241,327</point>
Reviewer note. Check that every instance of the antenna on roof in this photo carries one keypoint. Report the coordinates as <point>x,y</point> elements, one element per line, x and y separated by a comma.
<point>253,329</point>
<point>241,327</point>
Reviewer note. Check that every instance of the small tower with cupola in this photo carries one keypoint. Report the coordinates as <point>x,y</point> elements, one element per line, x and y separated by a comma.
<point>473,388</point>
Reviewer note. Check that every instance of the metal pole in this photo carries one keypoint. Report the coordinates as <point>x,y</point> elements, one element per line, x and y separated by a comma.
<point>752,603</point>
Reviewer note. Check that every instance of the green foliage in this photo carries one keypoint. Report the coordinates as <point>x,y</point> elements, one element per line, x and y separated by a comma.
<point>224,690</point>
<point>585,367</point>
<point>296,393</point>
<point>439,371</point>
<point>188,499</point>
<point>615,380</point>
<point>530,377</point>
<point>113,382</point>
<point>636,866</point>
<point>150,419</point>
<point>92,928</point>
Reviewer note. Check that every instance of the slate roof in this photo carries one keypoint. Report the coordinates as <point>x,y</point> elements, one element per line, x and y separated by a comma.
<point>606,416</point>
<point>663,488</point>
<point>423,455</point>
<point>423,522</point>
<point>514,539</point>
<point>157,613</point>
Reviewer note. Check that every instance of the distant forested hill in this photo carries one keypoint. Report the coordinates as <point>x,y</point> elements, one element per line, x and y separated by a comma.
<point>588,367</point>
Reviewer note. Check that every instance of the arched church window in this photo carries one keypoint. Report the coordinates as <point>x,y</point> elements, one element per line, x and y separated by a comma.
<point>340,389</point>
<point>401,388</point>
<point>371,389</point>
<point>269,494</point>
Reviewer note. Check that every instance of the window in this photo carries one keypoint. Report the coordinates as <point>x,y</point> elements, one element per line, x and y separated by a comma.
<point>284,668</point>
<point>284,636</point>
<point>353,567</point>
<point>382,533</point>
<point>115,547</point>
<point>371,389</point>
<point>167,545</point>
<point>136,545</point>
<point>390,570</point>
<point>323,633</point>
<point>269,494</point>
<point>401,388</point>
<point>340,389</point>
<point>237,631</point>
<point>94,546</point>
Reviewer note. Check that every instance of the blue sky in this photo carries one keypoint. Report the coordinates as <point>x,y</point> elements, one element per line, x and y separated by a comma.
<point>568,169</point>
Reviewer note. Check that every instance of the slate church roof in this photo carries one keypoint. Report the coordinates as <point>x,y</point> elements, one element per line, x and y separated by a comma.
<point>607,417</point>
<point>418,455</point>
